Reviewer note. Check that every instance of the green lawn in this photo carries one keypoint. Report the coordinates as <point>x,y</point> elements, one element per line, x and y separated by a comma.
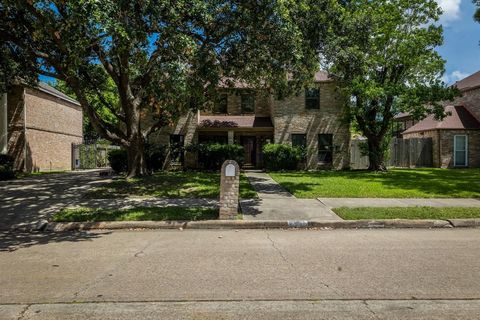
<point>396,183</point>
<point>407,213</point>
<point>169,185</point>
<point>135,214</point>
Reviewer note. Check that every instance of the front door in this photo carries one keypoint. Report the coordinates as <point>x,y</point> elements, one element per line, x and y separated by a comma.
<point>249,145</point>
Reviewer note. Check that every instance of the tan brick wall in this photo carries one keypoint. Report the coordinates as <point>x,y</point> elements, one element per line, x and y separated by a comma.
<point>446,138</point>
<point>290,116</point>
<point>443,151</point>
<point>49,151</point>
<point>16,139</point>
<point>51,125</point>
<point>46,112</point>
<point>263,103</point>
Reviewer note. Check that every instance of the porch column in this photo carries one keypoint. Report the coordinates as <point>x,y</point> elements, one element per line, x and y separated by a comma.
<point>3,124</point>
<point>230,137</point>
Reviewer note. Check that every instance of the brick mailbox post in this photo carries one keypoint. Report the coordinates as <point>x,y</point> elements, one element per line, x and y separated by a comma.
<point>229,189</point>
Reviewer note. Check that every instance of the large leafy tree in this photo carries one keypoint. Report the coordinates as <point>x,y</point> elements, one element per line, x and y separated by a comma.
<point>163,57</point>
<point>383,54</point>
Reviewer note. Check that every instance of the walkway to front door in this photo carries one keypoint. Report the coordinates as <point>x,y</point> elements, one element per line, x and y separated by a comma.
<point>276,203</point>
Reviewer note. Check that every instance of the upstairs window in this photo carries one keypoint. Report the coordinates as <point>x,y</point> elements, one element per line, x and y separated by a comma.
<point>247,103</point>
<point>221,104</point>
<point>299,140</point>
<point>312,98</point>
<point>325,148</point>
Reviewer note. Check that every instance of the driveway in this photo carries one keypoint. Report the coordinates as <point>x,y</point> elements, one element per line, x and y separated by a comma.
<point>32,199</point>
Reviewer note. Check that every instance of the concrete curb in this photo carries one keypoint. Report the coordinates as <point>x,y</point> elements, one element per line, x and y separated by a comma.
<point>465,223</point>
<point>249,224</point>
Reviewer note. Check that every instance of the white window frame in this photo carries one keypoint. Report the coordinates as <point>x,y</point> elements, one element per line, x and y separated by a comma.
<point>455,150</point>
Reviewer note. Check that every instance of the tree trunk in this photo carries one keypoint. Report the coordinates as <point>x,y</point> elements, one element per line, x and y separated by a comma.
<point>136,157</point>
<point>376,154</point>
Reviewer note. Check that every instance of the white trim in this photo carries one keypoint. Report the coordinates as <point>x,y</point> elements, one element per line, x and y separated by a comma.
<point>455,150</point>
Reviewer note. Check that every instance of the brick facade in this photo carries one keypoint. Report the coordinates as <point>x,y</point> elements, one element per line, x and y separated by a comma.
<point>288,116</point>
<point>41,130</point>
<point>291,117</point>
<point>443,148</point>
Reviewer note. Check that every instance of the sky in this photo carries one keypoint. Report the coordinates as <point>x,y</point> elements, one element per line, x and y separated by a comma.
<point>461,47</point>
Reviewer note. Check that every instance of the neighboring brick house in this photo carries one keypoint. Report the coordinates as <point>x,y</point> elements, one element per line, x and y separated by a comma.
<point>456,138</point>
<point>42,123</point>
<point>314,119</point>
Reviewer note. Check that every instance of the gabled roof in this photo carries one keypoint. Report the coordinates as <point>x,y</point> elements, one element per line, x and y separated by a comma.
<point>234,122</point>
<point>460,119</point>
<point>469,82</point>
<point>42,86</point>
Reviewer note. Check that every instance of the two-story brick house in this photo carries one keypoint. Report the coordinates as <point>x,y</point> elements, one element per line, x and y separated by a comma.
<point>314,118</point>
<point>456,138</point>
<point>38,126</point>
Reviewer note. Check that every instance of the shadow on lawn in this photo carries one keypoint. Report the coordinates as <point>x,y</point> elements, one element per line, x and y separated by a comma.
<point>14,240</point>
<point>162,184</point>
<point>442,183</point>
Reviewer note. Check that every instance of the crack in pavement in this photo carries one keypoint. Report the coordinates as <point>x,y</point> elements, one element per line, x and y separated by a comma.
<point>22,313</point>
<point>279,251</point>
<point>367,306</point>
<point>110,272</point>
<point>290,264</point>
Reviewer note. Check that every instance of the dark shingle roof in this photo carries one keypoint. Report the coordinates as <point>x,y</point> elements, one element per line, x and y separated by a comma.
<point>469,82</point>
<point>460,118</point>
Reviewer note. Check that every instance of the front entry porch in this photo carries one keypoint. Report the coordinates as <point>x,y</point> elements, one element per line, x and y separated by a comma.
<point>252,142</point>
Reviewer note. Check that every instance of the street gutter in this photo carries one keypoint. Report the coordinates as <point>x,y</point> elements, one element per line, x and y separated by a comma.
<point>247,224</point>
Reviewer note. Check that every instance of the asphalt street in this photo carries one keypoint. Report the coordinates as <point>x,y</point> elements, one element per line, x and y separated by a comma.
<point>245,274</point>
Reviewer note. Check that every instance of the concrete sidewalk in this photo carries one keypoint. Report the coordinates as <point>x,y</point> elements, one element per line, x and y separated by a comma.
<point>276,203</point>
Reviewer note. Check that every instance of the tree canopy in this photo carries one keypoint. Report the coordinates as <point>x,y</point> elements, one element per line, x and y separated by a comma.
<point>382,52</point>
<point>163,57</point>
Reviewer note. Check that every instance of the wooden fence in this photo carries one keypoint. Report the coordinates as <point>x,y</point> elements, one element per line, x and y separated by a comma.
<point>406,153</point>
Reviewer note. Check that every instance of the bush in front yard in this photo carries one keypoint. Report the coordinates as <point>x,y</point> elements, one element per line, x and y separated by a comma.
<point>118,160</point>
<point>6,167</point>
<point>212,155</point>
<point>155,155</point>
<point>282,156</point>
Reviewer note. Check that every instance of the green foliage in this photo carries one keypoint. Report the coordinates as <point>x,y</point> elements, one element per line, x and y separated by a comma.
<point>6,167</point>
<point>407,213</point>
<point>136,214</point>
<point>211,156</point>
<point>118,160</point>
<point>109,94</point>
<point>282,156</point>
<point>396,183</point>
<point>155,155</point>
<point>163,57</point>
<point>169,184</point>
<point>383,54</point>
